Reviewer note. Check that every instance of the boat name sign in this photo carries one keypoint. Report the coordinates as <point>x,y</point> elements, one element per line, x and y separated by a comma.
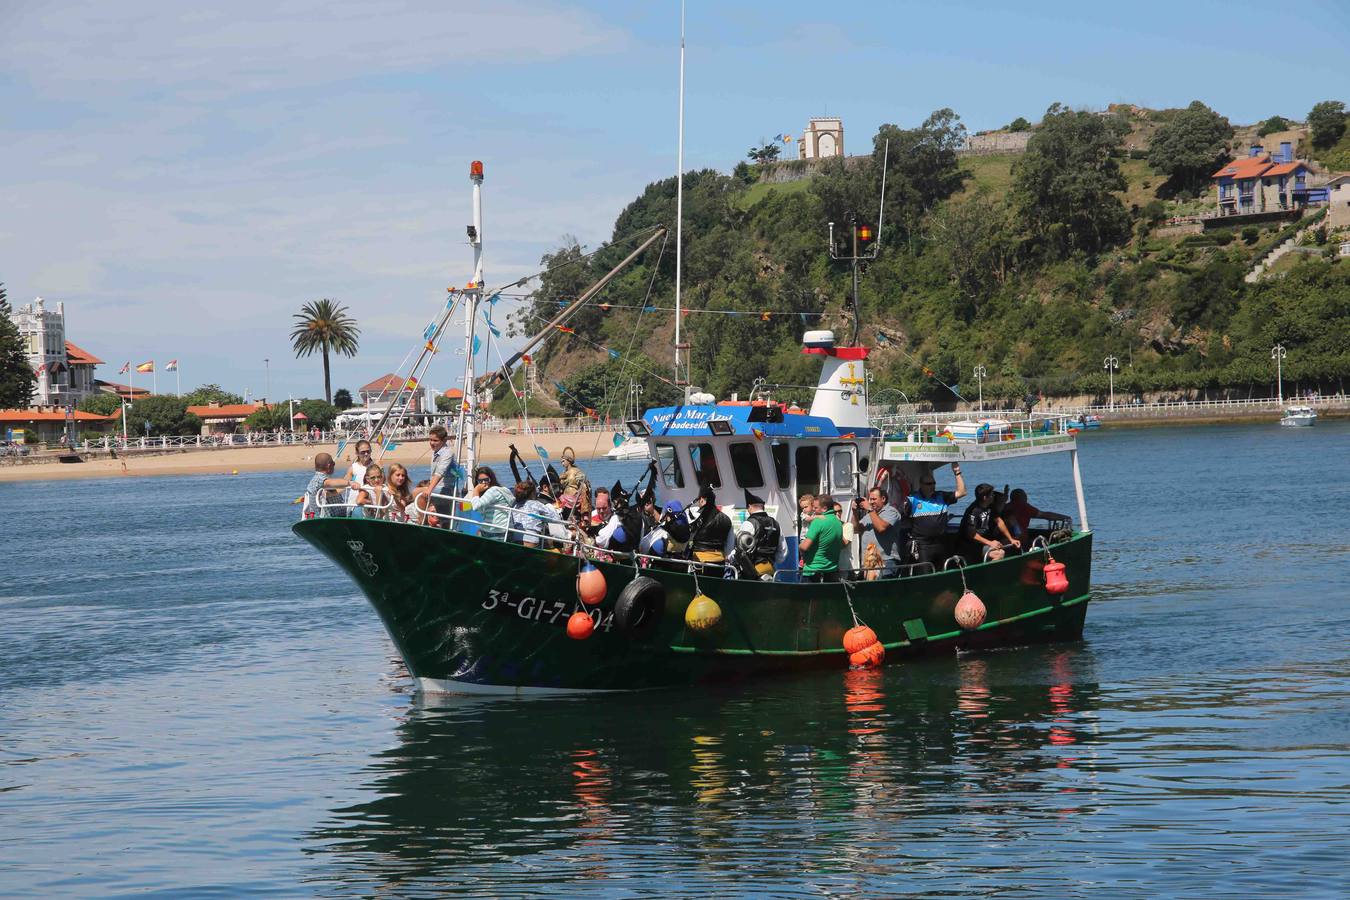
<point>551,612</point>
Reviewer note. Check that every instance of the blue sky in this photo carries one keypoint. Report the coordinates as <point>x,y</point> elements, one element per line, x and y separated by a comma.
<point>184,176</point>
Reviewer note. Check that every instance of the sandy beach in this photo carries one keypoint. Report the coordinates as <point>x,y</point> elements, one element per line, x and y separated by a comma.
<point>493,448</point>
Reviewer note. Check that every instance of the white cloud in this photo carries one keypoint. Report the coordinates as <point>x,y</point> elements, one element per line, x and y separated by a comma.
<point>257,45</point>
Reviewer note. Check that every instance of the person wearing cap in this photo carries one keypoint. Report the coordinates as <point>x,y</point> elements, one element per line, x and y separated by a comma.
<point>927,511</point>
<point>710,539</point>
<point>759,541</point>
<point>982,533</point>
<point>821,547</point>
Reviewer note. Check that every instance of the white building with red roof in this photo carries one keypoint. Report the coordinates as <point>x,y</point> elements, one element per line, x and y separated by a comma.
<point>65,372</point>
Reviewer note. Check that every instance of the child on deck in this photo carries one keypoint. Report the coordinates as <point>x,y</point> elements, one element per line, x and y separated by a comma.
<point>324,485</point>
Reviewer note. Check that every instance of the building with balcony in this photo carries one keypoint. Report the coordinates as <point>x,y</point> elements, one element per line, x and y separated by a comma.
<point>65,372</point>
<point>1261,183</point>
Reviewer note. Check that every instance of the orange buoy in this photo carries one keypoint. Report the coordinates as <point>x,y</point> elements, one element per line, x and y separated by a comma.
<point>1056,582</point>
<point>591,585</point>
<point>869,657</point>
<point>857,638</point>
<point>970,611</point>
<point>580,625</point>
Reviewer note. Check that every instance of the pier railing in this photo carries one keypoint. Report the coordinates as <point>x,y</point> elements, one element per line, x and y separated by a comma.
<point>1119,410</point>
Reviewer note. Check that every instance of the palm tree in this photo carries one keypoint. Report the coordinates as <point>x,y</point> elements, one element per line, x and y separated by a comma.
<point>324,325</point>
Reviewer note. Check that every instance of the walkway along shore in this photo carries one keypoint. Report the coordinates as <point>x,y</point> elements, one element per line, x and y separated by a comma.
<point>492,449</point>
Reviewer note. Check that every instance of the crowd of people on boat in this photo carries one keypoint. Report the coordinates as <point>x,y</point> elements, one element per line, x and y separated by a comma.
<point>898,526</point>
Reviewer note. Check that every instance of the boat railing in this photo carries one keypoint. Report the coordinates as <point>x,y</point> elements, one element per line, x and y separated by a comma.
<point>350,503</point>
<point>998,428</point>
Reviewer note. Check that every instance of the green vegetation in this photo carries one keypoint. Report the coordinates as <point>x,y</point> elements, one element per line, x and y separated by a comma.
<point>342,398</point>
<point>277,416</point>
<point>1018,124</point>
<point>1033,265</point>
<point>101,404</point>
<point>211,393</point>
<point>1272,125</point>
<point>323,325</point>
<point>161,414</point>
<point>17,381</point>
<point>1327,123</point>
<point>1189,148</point>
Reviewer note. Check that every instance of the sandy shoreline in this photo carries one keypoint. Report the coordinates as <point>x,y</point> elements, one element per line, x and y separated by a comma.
<point>493,448</point>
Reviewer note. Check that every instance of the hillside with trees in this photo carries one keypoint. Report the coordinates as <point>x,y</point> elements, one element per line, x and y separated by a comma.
<point>1035,266</point>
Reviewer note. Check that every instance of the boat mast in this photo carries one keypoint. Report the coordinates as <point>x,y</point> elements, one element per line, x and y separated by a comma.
<point>467,437</point>
<point>680,381</point>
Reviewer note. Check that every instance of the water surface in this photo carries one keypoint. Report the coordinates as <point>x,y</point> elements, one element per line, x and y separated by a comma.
<point>193,703</point>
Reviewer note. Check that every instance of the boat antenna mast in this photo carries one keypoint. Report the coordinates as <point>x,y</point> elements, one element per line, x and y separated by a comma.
<point>871,242</point>
<point>467,433</point>
<point>681,378</point>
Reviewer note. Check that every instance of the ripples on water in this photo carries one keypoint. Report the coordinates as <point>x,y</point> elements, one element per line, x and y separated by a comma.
<point>192,703</point>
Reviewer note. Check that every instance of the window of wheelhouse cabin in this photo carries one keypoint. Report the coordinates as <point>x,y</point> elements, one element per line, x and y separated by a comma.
<point>745,465</point>
<point>705,465</point>
<point>808,469</point>
<point>782,464</point>
<point>669,466</point>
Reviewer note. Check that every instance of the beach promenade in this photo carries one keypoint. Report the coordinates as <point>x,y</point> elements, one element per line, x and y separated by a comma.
<point>493,448</point>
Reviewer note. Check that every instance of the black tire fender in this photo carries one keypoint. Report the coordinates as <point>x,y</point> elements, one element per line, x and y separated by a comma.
<point>640,606</point>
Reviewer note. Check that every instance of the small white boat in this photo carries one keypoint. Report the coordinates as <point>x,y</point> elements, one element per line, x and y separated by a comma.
<point>632,447</point>
<point>1298,416</point>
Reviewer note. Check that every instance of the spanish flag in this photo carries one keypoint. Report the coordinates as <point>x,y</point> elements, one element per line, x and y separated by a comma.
<point>565,330</point>
<point>412,384</point>
<point>146,366</point>
<point>526,358</point>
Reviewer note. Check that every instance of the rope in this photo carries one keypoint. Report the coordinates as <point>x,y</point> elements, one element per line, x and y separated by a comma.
<point>626,357</point>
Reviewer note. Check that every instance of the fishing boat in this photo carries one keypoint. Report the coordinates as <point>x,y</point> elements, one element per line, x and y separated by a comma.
<point>470,613</point>
<point>1082,423</point>
<point>1298,417</point>
<point>476,614</point>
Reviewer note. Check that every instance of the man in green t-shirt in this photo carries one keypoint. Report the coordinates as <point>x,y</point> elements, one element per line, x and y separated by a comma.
<point>821,546</point>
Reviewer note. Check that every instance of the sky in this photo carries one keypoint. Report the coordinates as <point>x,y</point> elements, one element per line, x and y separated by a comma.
<point>185,176</point>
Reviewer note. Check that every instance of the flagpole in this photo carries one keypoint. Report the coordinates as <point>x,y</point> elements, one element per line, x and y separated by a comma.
<point>154,378</point>
<point>178,380</point>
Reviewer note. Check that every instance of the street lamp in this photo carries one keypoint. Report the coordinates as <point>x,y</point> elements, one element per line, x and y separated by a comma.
<point>980,374</point>
<point>1112,366</point>
<point>1278,354</point>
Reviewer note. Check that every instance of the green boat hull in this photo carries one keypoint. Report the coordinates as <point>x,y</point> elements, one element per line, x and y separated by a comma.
<point>473,614</point>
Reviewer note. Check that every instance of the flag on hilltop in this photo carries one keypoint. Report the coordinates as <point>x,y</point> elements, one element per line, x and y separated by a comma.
<point>146,367</point>
<point>171,366</point>
<point>126,367</point>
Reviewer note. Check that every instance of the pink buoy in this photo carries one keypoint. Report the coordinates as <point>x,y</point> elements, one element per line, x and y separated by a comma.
<point>591,585</point>
<point>970,611</point>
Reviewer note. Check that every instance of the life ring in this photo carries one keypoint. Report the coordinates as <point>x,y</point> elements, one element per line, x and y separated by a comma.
<point>640,606</point>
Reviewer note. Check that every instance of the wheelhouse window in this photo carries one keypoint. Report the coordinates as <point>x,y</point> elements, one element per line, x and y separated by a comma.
<point>705,465</point>
<point>808,470</point>
<point>782,464</point>
<point>669,466</point>
<point>745,465</point>
<point>841,469</point>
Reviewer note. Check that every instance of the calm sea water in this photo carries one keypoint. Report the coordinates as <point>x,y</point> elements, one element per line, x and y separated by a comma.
<point>192,703</point>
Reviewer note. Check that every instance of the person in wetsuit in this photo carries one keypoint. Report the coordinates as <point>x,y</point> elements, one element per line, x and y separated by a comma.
<point>710,538</point>
<point>759,541</point>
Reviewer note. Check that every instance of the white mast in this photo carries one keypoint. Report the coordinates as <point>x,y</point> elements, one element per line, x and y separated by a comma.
<point>679,212</point>
<point>467,437</point>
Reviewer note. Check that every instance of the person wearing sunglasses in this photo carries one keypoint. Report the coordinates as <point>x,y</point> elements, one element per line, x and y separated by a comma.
<point>356,472</point>
<point>493,501</point>
<point>927,511</point>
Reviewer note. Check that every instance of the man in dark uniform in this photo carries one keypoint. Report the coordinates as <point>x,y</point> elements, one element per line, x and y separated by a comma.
<point>927,511</point>
<point>758,541</point>
<point>710,534</point>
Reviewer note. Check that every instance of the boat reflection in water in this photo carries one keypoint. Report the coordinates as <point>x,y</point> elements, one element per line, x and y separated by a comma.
<point>871,771</point>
